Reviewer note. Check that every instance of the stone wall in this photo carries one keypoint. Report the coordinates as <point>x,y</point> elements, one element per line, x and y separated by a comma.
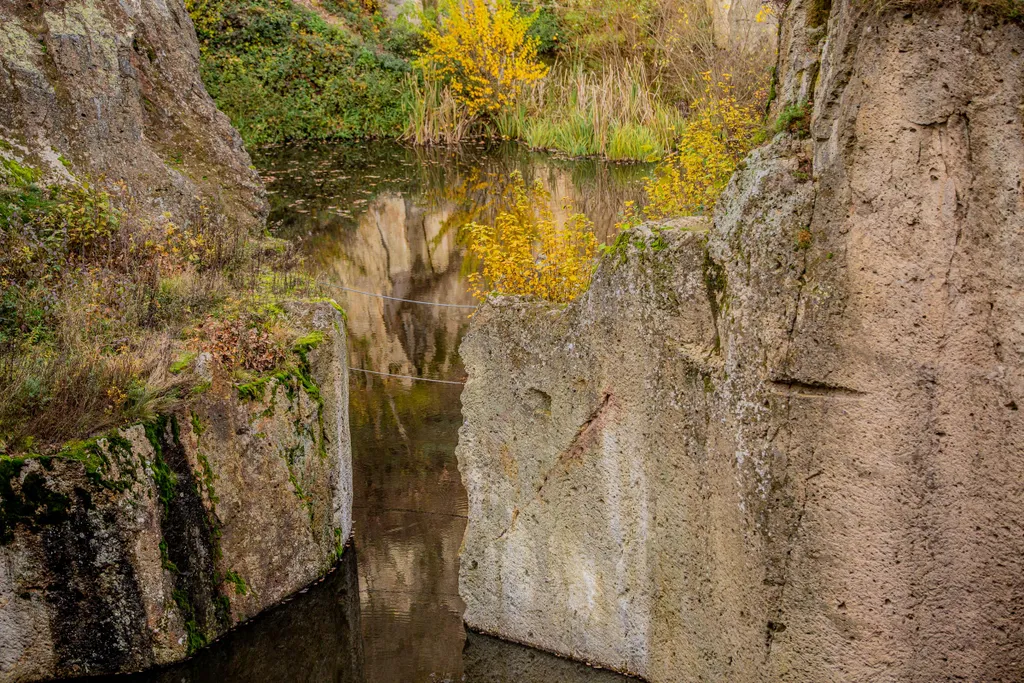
<point>785,444</point>
<point>748,25</point>
<point>139,547</point>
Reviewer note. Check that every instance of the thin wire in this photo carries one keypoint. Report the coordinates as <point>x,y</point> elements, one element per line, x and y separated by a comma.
<point>395,298</point>
<point>420,379</point>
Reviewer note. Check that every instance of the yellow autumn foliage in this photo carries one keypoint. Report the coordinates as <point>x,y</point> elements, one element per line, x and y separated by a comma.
<point>525,253</point>
<point>719,133</point>
<point>481,50</point>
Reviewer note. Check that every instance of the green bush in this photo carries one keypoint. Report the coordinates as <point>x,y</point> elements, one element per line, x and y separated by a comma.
<point>281,72</point>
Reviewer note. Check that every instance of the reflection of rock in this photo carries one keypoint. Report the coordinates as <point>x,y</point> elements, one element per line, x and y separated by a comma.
<point>387,220</point>
<point>410,523</point>
<point>404,251</point>
<point>315,637</point>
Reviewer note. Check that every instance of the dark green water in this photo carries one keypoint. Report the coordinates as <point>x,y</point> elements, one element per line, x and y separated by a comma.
<point>386,219</point>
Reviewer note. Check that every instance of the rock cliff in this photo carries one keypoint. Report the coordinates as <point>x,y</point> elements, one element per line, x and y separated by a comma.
<point>139,547</point>
<point>111,88</point>
<point>784,444</point>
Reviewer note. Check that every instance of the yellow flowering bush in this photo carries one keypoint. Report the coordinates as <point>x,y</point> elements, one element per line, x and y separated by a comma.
<point>481,50</point>
<point>719,132</point>
<point>525,253</point>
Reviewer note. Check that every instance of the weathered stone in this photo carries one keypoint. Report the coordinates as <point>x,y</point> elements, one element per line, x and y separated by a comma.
<point>112,89</point>
<point>743,25</point>
<point>172,532</point>
<point>791,450</point>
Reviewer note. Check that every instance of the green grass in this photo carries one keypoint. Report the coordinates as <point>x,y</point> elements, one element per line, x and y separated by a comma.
<point>631,141</point>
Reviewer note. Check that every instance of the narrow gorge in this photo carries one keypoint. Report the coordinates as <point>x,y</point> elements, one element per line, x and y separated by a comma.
<point>511,341</point>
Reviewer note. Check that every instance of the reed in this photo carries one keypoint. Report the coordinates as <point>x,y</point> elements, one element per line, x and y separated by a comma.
<point>617,113</point>
<point>436,117</point>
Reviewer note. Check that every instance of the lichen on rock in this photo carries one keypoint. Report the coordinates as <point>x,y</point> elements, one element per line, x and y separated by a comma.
<point>130,550</point>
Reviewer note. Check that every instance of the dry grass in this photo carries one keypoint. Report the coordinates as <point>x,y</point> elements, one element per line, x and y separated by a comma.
<point>96,301</point>
<point>436,116</point>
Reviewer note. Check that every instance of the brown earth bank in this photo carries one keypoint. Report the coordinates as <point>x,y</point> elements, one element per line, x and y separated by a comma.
<point>784,444</point>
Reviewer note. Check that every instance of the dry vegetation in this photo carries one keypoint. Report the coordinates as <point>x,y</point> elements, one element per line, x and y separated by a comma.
<point>100,307</point>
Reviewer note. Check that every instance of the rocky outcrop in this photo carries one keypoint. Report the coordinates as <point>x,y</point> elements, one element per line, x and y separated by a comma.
<point>744,25</point>
<point>139,547</point>
<point>111,89</point>
<point>785,445</point>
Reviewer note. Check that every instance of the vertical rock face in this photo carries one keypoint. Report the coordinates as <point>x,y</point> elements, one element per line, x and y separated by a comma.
<point>142,546</point>
<point>111,88</point>
<point>743,24</point>
<point>789,448</point>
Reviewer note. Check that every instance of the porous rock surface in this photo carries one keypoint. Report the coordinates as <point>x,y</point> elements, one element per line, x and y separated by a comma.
<point>172,532</point>
<point>785,444</point>
<point>110,89</point>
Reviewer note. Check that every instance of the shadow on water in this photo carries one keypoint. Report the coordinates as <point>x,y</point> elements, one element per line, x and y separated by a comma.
<point>386,219</point>
<point>315,636</point>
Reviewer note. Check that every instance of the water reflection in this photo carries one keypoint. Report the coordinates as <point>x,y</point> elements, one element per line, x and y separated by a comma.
<point>410,517</point>
<point>315,637</point>
<point>386,219</point>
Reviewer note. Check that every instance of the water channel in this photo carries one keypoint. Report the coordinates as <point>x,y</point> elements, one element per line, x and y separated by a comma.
<point>385,219</point>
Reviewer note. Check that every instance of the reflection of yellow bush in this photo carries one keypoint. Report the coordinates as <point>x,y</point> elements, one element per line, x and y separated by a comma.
<point>525,253</point>
<point>483,53</point>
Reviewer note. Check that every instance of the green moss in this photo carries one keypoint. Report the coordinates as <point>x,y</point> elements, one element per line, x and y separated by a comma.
<point>195,638</point>
<point>95,454</point>
<point>796,119</point>
<point>165,560</point>
<point>772,89</point>
<point>16,174</point>
<point>255,390</point>
<point>208,477</point>
<point>197,424</point>
<point>165,479</point>
<point>818,12</point>
<point>339,546</point>
<point>200,388</point>
<point>334,304</point>
<point>241,587</point>
<point>307,343</point>
<point>182,364</point>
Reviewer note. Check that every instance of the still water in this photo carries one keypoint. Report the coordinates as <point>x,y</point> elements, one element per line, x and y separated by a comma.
<point>387,219</point>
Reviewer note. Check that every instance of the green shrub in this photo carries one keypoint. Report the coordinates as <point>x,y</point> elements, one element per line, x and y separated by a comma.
<point>282,72</point>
